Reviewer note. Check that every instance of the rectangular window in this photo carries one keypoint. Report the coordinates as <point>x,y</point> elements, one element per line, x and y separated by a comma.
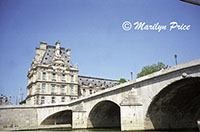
<point>52,88</point>
<point>90,91</point>
<point>54,77</point>
<point>43,87</point>
<point>72,88</point>
<point>83,92</point>
<point>63,99</point>
<point>63,89</point>
<point>43,75</point>
<point>53,100</point>
<point>42,100</point>
<point>72,78</point>
<point>63,77</point>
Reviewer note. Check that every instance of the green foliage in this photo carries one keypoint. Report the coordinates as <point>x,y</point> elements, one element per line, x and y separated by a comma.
<point>151,69</point>
<point>122,80</point>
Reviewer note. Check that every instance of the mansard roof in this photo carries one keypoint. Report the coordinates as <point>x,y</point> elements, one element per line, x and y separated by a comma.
<point>96,82</point>
<point>50,53</point>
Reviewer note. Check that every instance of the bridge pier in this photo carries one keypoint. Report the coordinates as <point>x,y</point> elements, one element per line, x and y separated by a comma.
<point>131,118</point>
<point>132,112</point>
<point>79,119</point>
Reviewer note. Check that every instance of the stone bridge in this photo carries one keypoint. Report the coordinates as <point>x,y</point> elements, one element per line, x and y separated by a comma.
<point>168,99</point>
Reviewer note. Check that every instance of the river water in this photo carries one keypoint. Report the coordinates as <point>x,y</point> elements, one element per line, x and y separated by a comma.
<point>109,130</point>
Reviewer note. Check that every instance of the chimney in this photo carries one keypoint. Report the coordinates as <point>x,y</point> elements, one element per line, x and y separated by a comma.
<point>58,48</point>
<point>43,45</point>
<point>68,53</point>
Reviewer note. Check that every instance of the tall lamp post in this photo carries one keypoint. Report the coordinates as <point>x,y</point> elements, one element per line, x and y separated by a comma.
<point>175,56</point>
<point>131,75</point>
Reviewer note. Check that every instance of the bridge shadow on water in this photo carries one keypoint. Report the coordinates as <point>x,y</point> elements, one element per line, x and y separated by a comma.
<point>177,106</point>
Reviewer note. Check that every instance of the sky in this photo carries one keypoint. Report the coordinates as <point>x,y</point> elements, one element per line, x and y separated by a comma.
<point>93,30</point>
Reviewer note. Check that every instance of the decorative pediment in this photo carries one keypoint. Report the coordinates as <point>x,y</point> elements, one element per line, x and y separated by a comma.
<point>58,61</point>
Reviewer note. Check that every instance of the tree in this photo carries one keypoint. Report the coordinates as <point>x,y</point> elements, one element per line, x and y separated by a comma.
<point>122,80</point>
<point>151,69</point>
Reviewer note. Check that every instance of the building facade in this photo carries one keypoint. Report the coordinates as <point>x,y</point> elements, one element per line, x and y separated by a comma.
<point>52,77</point>
<point>3,100</point>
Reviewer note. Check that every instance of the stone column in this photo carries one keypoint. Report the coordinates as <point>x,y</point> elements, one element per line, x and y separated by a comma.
<point>132,112</point>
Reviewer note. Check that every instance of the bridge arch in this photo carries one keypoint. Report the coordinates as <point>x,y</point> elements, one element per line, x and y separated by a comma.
<point>104,114</point>
<point>177,106</point>
<point>60,117</point>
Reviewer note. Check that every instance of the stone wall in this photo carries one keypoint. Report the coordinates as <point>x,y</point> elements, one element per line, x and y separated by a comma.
<point>17,117</point>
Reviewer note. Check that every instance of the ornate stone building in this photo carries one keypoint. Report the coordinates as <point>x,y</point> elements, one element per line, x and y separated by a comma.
<point>52,77</point>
